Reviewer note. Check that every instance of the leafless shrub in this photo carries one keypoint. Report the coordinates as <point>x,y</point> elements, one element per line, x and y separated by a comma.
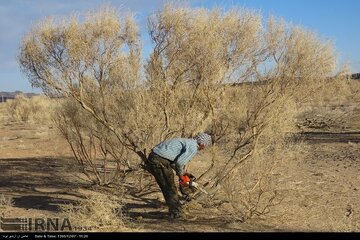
<point>93,145</point>
<point>210,70</point>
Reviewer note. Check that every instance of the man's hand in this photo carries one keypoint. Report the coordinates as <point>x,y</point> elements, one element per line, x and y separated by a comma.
<point>192,177</point>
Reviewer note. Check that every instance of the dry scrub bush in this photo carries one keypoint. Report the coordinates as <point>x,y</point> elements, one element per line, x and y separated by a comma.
<point>98,212</point>
<point>285,64</point>
<point>37,109</point>
<point>337,91</point>
<point>95,63</point>
<point>332,108</point>
<point>355,90</point>
<point>19,108</point>
<point>222,72</point>
<point>92,144</point>
<point>6,202</point>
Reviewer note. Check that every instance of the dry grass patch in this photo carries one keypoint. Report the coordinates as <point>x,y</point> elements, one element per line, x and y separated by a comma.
<point>98,212</point>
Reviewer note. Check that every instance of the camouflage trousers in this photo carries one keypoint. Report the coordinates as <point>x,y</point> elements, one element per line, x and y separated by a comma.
<point>161,169</point>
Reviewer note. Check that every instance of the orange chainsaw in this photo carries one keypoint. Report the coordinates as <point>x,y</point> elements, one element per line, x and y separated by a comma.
<point>188,185</point>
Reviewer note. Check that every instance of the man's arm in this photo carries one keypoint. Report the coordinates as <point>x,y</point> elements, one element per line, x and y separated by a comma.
<point>183,159</point>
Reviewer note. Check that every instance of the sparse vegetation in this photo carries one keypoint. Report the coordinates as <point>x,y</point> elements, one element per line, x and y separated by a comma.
<point>37,109</point>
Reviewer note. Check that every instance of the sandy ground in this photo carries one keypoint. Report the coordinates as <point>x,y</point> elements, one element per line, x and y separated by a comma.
<point>322,190</point>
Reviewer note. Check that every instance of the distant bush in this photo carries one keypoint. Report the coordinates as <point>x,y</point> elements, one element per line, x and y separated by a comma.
<point>332,108</point>
<point>337,90</point>
<point>37,109</point>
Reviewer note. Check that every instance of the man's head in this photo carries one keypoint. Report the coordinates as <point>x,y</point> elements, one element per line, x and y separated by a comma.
<point>203,140</point>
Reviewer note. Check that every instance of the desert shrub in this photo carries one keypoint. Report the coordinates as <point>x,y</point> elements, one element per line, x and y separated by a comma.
<point>337,90</point>
<point>19,108</point>
<point>93,145</point>
<point>355,90</point>
<point>332,107</point>
<point>37,109</point>
<point>210,70</point>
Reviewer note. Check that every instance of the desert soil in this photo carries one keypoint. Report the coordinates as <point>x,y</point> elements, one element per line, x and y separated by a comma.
<point>322,189</point>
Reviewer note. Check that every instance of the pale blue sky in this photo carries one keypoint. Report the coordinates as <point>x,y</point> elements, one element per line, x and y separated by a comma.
<point>335,20</point>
